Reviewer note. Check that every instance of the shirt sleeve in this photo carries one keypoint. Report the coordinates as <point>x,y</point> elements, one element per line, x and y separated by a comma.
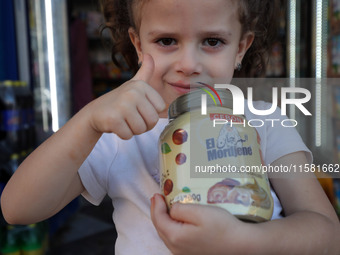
<point>284,140</point>
<point>278,135</point>
<point>95,169</point>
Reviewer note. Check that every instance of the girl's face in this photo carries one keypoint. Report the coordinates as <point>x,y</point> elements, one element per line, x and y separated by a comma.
<point>190,41</point>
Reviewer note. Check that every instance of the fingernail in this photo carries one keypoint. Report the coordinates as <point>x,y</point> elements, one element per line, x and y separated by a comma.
<point>153,204</point>
<point>161,196</point>
<point>152,199</point>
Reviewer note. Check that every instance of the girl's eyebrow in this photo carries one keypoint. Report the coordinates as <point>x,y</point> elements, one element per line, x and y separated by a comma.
<point>161,32</point>
<point>216,33</point>
<point>210,33</point>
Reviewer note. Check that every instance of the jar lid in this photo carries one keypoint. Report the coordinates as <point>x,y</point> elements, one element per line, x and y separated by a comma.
<point>193,100</point>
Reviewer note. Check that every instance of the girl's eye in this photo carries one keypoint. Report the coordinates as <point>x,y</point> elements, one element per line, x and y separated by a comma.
<point>166,41</point>
<point>213,42</point>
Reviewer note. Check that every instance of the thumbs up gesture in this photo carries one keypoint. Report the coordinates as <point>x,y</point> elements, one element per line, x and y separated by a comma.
<point>146,70</point>
<point>131,109</point>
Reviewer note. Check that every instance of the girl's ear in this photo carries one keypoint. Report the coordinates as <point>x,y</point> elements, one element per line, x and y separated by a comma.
<point>244,44</point>
<point>134,37</point>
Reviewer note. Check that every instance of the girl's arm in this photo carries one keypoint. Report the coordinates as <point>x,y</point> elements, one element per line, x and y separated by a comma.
<point>310,226</point>
<point>48,179</point>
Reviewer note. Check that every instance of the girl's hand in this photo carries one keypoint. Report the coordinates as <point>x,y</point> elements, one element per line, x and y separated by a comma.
<point>131,109</point>
<point>199,229</point>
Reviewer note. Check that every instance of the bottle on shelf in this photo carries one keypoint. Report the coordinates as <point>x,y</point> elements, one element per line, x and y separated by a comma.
<point>17,124</point>
<point>25,104</point>
<point>11,242</point>
<point>9,120</point>
<point>33,240</point>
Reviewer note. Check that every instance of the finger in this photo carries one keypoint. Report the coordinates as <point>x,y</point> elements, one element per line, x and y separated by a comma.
<point>123,130</point>
<point>161,219</point>
<point>146,70</point>
<point>186,213</point>
<point>169,230</point>
<point>196,214</point>
<point>191,213</point>
<point>148,113</point>
<point>136,123</point>
<point>159,210</point>
<point>156,100</point>
<point>144,74</point>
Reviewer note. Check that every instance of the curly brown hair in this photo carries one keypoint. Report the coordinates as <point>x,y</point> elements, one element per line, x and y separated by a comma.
<point>257,16</point>
<point>260,17</point>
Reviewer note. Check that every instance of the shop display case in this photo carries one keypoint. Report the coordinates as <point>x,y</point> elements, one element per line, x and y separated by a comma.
<point>334,70</point>
<point>37,64</point>
<point>50,63</point>
<point>105,75</point>
<point>309,47</point>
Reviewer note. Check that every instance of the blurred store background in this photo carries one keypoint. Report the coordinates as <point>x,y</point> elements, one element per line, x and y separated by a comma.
<point>54,60</point>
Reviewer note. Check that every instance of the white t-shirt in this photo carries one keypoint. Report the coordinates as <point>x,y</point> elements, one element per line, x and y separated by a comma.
<point>128,172</point>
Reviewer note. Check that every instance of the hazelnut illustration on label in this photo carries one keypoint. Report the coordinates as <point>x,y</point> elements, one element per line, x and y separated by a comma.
<point>168,186</point>
<point>181,158</point>
<point>180,136</point>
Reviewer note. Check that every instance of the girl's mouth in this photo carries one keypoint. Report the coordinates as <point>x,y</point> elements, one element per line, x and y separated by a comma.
<point>180,87</point>
<point>183,87</point>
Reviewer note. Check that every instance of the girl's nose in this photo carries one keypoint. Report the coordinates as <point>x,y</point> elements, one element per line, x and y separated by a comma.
<point>188,62</point>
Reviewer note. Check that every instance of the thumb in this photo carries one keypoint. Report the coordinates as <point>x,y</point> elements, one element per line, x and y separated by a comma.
<point>196,214</point>
<point>146,70</point>
<point>188,213</point>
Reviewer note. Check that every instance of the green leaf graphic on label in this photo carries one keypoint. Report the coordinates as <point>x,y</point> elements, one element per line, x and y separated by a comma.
<point>186,190</point>
<point>165,148</point>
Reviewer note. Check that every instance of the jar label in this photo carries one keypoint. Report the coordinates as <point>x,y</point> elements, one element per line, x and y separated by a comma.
<point>215,159</point>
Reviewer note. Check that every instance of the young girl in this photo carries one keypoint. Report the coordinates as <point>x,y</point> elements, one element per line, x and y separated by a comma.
<point>110,146</point>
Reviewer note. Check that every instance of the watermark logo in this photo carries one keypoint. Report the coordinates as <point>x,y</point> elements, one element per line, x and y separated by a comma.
<point>238,100</point>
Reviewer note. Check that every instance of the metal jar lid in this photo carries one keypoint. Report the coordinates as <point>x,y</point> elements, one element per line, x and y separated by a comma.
<point>192,100</point>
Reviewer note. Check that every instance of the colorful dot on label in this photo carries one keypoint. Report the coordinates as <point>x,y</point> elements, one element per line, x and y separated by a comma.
<point>181,158</point>
<point>180,136</point>
<point>186,190</point>
<point>168,186</point>
<point>165,148</point>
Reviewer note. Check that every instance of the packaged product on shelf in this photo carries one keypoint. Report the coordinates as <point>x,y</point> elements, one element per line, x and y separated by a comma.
<point>337,195</point>
<point>25,103</point>
<point>337,101</point>
<point>9,119</point>
<point>33,240</point>
<point>327,183</point>
<point>4,176</point>
<point>11,241</point>
<point>24,239</point>
<point>17,126</point>
<point>93,20</point>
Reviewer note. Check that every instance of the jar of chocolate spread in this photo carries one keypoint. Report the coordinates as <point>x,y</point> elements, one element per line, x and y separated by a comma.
<point>210,156</point>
